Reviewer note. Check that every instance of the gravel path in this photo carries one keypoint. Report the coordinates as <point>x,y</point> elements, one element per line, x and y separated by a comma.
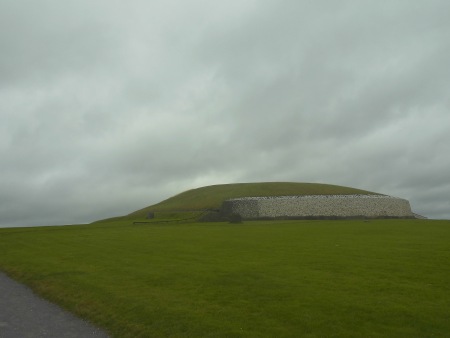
<point>25,315</point>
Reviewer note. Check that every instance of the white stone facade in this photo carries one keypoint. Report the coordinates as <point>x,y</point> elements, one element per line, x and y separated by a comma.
<point>319,206</point>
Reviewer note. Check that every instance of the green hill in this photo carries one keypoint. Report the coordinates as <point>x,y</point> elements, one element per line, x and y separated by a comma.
<point>211,197</point>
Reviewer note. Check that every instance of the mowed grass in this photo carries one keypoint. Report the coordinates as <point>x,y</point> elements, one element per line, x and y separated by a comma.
<point>383,278</point>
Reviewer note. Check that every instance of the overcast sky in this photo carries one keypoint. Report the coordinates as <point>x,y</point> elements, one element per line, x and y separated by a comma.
<point>110,106</point>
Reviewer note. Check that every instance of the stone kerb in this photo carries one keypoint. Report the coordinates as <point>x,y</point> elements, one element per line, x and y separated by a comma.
<point>332,206</point>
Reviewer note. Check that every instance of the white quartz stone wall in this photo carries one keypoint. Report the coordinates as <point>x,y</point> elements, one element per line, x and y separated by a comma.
<point>339,206</point>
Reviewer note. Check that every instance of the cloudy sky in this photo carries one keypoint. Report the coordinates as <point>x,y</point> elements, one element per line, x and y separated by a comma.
<point>110,106</point>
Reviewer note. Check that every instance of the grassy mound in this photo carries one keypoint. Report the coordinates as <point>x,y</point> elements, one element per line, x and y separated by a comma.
<point>192,203</point>
<point>211,197</point>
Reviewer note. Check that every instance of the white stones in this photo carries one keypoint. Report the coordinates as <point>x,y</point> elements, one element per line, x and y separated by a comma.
<point>318,206</point>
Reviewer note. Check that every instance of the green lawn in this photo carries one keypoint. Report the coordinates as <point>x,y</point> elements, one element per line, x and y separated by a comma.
<point>383,278</point>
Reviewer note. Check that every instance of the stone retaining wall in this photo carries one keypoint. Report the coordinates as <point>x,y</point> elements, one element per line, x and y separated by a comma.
<point>319,206</point>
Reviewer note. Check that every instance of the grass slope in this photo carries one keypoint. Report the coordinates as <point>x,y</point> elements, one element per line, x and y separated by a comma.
<point>211,197</point>
<point>384,278</point>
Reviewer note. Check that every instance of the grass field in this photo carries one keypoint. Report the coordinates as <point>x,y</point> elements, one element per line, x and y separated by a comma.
<point>383,278</point>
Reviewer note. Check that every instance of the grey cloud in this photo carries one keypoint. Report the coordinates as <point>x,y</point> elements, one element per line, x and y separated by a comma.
<point>107,107</point>
<point>47,40</point>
